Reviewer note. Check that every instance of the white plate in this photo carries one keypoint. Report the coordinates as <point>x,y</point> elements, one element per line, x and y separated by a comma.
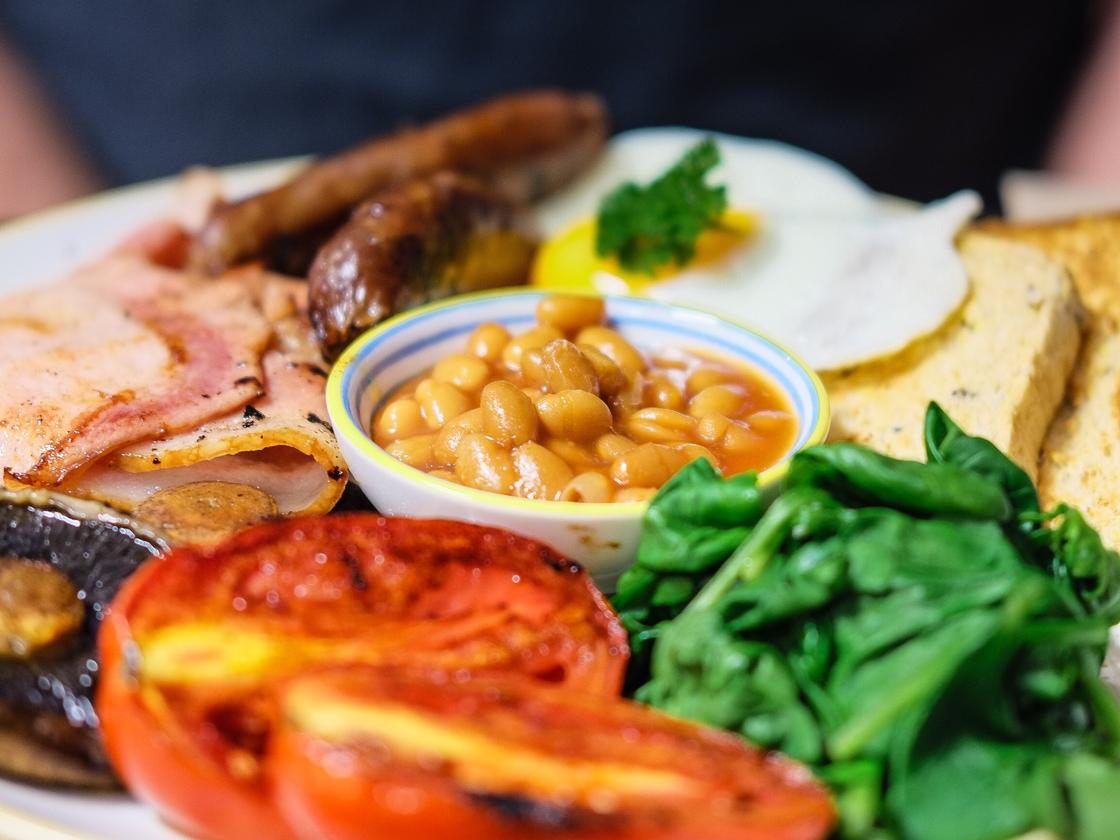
<point>33,251</point>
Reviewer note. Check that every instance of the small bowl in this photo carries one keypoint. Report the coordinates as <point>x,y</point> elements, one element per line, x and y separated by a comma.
<point>603,537</point>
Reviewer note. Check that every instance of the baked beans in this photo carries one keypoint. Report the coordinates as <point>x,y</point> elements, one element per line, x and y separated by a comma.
<point>570,410</point>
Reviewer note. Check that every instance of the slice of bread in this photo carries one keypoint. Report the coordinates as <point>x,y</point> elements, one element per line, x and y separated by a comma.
<point>1089,247</point>
<point>1080,461</point>
<point>999,366</point>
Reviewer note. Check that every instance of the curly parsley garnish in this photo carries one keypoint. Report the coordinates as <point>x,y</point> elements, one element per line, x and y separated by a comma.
<point>648,226</point>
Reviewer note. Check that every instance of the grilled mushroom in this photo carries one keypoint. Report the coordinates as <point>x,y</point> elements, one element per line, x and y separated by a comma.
<point>61,562</point>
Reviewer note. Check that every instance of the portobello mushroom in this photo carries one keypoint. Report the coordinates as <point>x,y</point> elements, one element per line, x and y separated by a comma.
<point>61,562</point>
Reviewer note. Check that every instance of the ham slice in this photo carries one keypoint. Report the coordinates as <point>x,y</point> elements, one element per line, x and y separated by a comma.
<point>280,444</point>
<point>120,352</point>
<point>131,377</point>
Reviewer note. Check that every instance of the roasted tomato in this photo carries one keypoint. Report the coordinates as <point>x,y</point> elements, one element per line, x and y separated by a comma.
<point>374,752</point>
<point>197,643</point>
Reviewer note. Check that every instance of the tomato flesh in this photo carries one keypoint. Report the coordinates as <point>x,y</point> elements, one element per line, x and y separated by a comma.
<point>373,752</point>
<point>198,643</point>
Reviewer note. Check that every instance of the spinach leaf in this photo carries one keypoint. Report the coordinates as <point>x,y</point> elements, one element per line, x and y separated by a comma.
<point>920,633</point>
<point>1092,783</point>
<point>1081,560</point>
<point>947,444</point>
<point>696,520</point>
<point>739,685</point>
<point>859,476</point>
<point>1011,789</point>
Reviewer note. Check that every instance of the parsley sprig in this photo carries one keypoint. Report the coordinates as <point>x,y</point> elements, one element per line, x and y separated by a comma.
<point>648,226</point>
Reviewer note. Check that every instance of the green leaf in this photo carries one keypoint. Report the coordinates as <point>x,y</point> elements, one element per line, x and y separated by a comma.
<point>970,788</point>
<point>691,526</point>
<point>703,673</point>
<point>921,634</point>
<point>1081,560</point>
<point>858,786</point>
<point>947,444</point>
<point>858,476</point>
<point>814,575</point>
<point>877,693</point>
<point>1092,784</point>
<point>756,552</point>
<point>647,227</point>
<point>697,519</point>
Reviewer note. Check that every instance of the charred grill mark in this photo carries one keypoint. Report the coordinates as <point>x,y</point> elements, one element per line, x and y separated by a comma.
<point>558,563</point>
<point>357,576</point>
<point>250,416</point>
<point>312,417</point>
<point>245,380</point>
<point>522,809</point>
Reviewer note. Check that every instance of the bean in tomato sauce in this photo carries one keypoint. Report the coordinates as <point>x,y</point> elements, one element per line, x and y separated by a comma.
<point>569,410</point>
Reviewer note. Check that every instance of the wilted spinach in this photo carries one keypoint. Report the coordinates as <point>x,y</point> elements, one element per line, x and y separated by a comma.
<point>697,522</point>
<point>920,633</point>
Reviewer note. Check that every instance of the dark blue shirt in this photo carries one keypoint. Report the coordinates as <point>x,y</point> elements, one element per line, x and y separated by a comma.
<point>917,97</point>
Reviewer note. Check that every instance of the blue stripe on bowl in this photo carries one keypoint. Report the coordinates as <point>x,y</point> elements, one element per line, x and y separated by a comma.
<point>730,338</point>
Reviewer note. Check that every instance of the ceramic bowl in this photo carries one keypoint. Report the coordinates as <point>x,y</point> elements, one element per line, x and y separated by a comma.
<point>602,537</point>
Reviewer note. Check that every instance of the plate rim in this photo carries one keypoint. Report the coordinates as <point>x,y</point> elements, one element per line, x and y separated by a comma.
<point>49,215</point>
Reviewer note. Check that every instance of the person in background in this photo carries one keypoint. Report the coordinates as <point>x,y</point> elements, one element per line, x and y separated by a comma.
<point>918,99</point>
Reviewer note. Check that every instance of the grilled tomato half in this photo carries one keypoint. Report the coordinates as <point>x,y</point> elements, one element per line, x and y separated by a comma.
<point>374,752</point>
<point>199,645</point>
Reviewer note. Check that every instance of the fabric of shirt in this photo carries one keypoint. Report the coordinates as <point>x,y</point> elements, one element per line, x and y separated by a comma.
<point>916,97</point>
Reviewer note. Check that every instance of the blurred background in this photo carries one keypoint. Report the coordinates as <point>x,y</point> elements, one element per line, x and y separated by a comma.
<point>916,98</point>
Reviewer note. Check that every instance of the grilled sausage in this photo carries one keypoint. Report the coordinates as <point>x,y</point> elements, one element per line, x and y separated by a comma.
<point>523,145</point>
<point>412,243</point>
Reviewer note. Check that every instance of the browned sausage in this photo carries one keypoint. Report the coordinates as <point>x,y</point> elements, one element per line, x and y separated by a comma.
<point>524,145</point>
<point>412,243</point>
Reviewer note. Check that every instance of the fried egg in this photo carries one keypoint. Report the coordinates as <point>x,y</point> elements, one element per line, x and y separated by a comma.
<point>805,253</point>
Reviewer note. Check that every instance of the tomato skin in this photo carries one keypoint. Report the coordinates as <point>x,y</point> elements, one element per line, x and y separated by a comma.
<point>369,772</point>
<point>467,597</point>
<point>324,806</point>
<point>192,793</point>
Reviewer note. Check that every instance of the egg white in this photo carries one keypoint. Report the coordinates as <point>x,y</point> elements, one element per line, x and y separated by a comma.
<point>834,272</point>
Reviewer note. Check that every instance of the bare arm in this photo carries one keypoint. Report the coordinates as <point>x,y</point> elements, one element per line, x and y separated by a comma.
<point>1087,145</point>
<point>40,163</point>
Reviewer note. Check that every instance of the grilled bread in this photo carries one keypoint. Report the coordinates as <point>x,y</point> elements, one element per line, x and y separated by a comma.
<point>998,366</point>
<point>1089,247</point>
<point>1080,461</point>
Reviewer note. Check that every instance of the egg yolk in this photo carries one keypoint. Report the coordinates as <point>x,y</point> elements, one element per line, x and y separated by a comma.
<point>568,260</point>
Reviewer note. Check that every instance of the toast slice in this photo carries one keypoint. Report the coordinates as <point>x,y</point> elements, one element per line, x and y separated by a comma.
<point>1080,461</point>
<point>1088,246</point>
<point>998,366</point>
